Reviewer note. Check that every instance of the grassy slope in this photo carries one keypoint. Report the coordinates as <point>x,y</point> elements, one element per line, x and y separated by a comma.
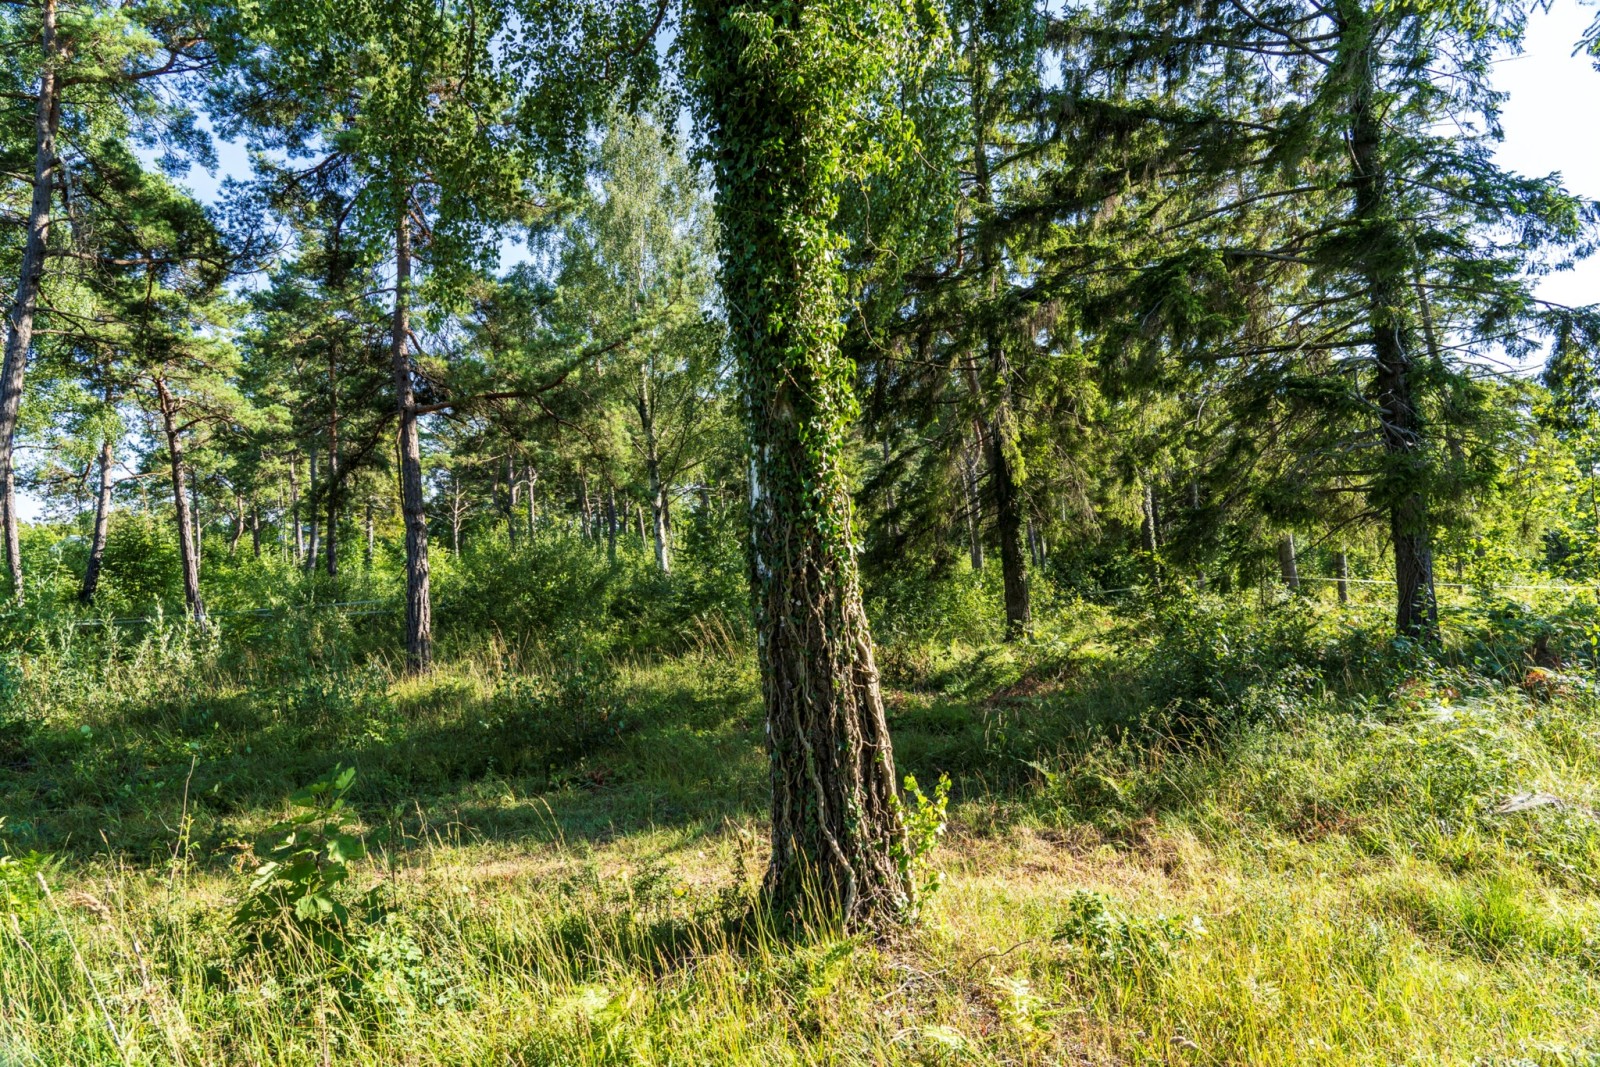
<point>1328,887</point>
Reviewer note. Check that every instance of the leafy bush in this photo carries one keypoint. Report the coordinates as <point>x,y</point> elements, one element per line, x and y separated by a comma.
<point>1109,937</point>
<point>297,892</point>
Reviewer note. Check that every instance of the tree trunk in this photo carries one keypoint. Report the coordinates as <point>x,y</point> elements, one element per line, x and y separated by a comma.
<point>456,511</point>
<point>1008,528</point>
<point>1341,571</point>
<point>30,273</point>
<point>645,406</point>
<point>294,506</point>
<point>332,515</point>
<point>313,545</point>
<point>419,606</point>
<point>969,466</point>
<point>199,524</point>
<point>238,525</point>
<point>188,551</point>
<point>837,834</point>
<point>510,509</point>
<point>1400,487</point>
<point>367,561</point>
<point>1286,562</point>
<point>102,522</point>
<point>255,529</point>
<point>611,524</point>
<point>533,504</point>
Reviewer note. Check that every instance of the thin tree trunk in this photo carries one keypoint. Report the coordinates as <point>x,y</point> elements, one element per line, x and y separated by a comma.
<point>313,545</point>
<point>188,552</point>
<point>611,523</point>
<point>645,406</point>
<point>1399,489</point>
<point>419,606</point>
<point>456,511</point>
<point>1341,571</point>
<point>969,464</point>
<point>332,517</point>
<point>255,529</point>
<point>367,561</point>
<point>238,525</point>
<point>199,525</point>
<point>585,515</point>
<point>294,506</point>
<point>510,509</point>
<point>1147,529</point>
<point>1287,566</point>
<point>837,833</point>
<point>533,503</point>
<point>30,274</point>
<point>102,522</point>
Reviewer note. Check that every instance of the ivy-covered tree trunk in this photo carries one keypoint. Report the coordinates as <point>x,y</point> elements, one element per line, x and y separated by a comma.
<point>770,91</point>
<point>419,604</point>
<point>188,549</point>
<point>30,274</point>
<point>102,519</point>
<point>1384,262</point>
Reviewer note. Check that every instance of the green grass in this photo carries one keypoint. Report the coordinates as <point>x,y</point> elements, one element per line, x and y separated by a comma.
<point>1214,861</point>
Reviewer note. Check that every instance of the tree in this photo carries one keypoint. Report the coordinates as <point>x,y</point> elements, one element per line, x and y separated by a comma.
<point>785,88</point>
<point>638,268</point>
<point>100,62</point>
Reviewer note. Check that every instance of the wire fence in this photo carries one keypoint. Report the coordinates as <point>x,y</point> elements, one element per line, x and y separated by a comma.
<point>246,613</point>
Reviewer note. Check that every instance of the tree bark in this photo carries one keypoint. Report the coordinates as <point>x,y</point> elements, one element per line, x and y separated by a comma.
<point>1384,255</point>
<point>836,826</point>
<point>1341,571</point>
<point>969,470</point>
<point>313,545</point>
<point>370,537</point>
<point>1287,566</point>
<point>199,524</point>
<point>238,525</point>
<point>533,503</point>
<point>644,404</point>
<point>188,551</point>
<point>255,529</point>
<point>611,523</point>
<point>419,606</point>
<point>331,560</point>
<point>294,507</point>
<point>19,335</point>
<point>102,522</point>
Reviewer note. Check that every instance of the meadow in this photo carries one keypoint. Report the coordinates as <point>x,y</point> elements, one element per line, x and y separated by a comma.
<point>1179,829</point>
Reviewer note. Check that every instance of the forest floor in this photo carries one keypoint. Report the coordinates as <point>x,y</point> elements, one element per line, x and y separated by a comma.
<point>566,852</point>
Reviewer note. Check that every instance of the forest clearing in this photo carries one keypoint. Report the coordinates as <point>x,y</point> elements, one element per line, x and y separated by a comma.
<point>793,532</point>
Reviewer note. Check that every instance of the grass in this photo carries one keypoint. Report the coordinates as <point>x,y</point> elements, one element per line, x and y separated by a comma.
<point>1165,847</point>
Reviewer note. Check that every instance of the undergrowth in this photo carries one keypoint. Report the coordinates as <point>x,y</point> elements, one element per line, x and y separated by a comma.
<point>1181,831</point>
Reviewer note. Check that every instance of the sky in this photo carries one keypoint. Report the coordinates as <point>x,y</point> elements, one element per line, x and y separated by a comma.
<point>1548,91</point>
